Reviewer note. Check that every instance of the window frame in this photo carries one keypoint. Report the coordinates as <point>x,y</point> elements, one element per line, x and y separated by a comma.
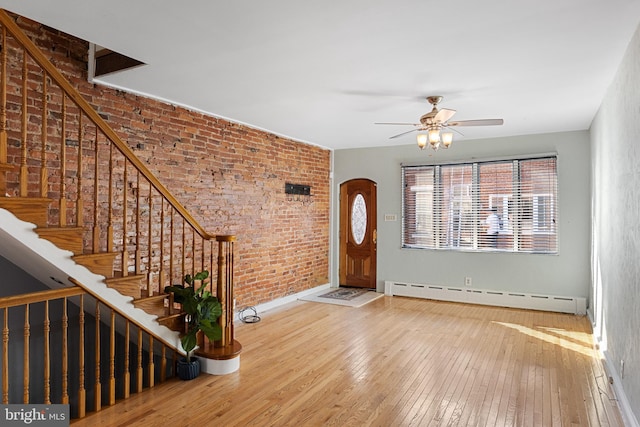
<point>521,228</point>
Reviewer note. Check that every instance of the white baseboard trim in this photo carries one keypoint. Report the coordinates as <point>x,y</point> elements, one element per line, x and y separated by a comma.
<point>628,416</point>
<point>261,308</point>
<point>573,305</point>
<point>626,410</point>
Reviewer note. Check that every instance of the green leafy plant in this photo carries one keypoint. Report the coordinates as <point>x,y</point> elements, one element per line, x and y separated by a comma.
<point>202,310</point>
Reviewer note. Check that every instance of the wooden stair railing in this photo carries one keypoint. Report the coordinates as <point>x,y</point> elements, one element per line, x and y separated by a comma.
<point>54,371</point>
<point>65,169</point>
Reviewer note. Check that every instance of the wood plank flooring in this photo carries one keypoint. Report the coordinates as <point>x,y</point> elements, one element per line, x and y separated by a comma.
<point>394,362</point>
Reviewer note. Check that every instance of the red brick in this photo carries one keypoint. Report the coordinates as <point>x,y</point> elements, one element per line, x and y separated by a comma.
<point>229,176</point>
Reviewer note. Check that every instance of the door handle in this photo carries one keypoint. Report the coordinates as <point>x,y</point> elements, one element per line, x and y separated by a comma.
<point>375,237</point>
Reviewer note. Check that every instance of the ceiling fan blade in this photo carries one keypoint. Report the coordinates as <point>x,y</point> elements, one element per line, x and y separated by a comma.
<point>394,123</point>
<point>403,133</point>
<point>443,115</point>
<point>482,122</point>
<point>446,126</point>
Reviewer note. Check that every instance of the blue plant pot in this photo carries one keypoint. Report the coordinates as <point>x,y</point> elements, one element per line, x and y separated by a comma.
<point>188,370</point>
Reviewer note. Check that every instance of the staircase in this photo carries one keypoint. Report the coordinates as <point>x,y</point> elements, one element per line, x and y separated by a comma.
<point>63,169</point>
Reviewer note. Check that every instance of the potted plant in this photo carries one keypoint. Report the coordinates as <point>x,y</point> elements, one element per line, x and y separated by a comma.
<point>202,312</point>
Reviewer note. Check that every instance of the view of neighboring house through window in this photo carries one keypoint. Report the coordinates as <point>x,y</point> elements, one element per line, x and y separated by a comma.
<point>507,205</point>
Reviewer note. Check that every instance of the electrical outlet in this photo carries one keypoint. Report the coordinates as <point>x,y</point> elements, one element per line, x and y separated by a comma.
<point>621,368</point>
<point>467,281</point>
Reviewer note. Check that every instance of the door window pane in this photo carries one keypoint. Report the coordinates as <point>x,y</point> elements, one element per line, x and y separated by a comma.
<point>359,219</point>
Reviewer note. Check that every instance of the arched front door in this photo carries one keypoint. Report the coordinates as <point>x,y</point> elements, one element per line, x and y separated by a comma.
<point>358,233</point>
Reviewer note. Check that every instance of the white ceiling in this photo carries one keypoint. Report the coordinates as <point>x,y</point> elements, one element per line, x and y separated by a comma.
<point>324,72</point>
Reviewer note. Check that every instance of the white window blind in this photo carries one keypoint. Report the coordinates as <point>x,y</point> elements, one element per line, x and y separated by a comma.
<point>507,205</point>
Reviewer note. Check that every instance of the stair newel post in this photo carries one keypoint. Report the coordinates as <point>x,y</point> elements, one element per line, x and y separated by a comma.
<point>44,175</point>
<point>63,164</point>
<point>225,288</point>
<point>24,177</point>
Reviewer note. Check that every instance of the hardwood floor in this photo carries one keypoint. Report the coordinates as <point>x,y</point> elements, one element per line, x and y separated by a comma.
<point>393,362</point>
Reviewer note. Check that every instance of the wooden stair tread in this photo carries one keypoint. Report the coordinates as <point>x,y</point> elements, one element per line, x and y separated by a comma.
<point>154,304</point>
<point>24,200</point>
<point>69,238</point>
<point>130,285</point>
<point>171,316</point>
<point>174,321</point>
<point>53,229</point>
<point>118,277</point>
<point>96,255</point>
<point>155,297</point>
<point>99,263</point>
<point>29,209</point>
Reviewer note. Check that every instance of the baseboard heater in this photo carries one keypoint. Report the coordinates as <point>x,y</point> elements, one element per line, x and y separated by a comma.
<point>573,305</point>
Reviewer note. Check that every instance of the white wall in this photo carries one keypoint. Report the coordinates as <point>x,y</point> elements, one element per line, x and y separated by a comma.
<point>565,274</point>
<point>615,142</point>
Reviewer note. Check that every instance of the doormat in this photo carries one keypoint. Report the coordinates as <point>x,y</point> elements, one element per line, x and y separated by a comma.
<point>346,294</point>
<point>343,296</point>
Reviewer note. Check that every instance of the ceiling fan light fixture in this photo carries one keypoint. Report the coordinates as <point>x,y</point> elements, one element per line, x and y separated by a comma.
<point>447,139</point>
<point>434,135</point>
<point>422,138</point>
<point>434,122</point>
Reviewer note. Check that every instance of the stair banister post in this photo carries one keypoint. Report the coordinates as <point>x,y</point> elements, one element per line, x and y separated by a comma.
<point>225,288</point>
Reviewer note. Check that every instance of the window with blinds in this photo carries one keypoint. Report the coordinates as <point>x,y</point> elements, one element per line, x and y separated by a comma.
<point>506,205</point>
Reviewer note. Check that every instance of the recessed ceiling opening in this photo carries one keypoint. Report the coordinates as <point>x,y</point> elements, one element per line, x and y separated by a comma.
<point>103,61</point>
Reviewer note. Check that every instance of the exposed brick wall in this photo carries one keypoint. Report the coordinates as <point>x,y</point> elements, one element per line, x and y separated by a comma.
<point>230,177</point>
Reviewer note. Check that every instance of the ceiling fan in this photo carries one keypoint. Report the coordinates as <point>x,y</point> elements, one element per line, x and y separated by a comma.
<point>432,123</point>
